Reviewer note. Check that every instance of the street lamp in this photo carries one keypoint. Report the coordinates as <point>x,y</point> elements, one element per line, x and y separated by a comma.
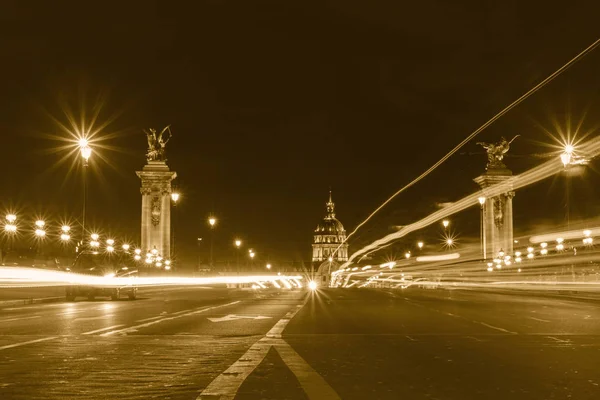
<point>420,245</point>
<point>212,221</point>
<point>39,231</point>
<point>11,227</point>
<point>174,199</point>
<point>86,152</point>
<point>64,236</point>
<point>566,157</point>
<point>268,266</point>
<point>445,223</point>
<point>482,228</point>
<point>238,244</point>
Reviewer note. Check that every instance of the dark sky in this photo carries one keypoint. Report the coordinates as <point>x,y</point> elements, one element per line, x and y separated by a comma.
<point>273,102</point>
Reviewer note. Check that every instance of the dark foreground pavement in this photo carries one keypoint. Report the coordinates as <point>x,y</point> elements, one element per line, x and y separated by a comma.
<point>350,344</point>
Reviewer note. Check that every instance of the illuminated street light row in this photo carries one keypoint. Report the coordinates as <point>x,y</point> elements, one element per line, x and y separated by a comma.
<point>503,259</point>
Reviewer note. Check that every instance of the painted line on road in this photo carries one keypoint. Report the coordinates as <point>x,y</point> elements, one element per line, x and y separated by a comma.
<point>20,318</point>
<point>411,339</point>
<point>474,338</point>
<point>539,319</point>
<point>169,318</point>
<point>10,346</point>
<point>460,317</point>
<point>558,340</point>
<point>314,385</point>
<point>103,329</point>
<point>493,327</point>
<point>150,319</point>
<point>226,385</point>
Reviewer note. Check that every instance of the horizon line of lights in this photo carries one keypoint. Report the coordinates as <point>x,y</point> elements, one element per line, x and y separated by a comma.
<point>30,277</point>
<point>152,256</point>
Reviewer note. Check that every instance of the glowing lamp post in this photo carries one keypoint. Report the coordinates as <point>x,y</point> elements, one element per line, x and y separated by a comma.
<point>174,198</point>
<point>445,223</point>
<point>10,226</point>
<point>237,243</point>
<point>86,152</point>
<point>65,236</point>
<point>212,221</point>
<point>39,231</point>
<point>482,229</point>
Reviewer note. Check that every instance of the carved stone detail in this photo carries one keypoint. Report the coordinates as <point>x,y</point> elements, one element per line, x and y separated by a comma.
<point>156,211</point>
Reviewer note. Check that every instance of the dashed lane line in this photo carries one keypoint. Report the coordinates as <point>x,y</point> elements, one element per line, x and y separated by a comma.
<point>460,317</point>
<point>102,329</point>
<point>167,318</point>
<point>19,318</point>
<point>10,346</point>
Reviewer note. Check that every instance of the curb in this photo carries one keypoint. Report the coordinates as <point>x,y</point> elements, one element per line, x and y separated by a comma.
<point>24,302</point>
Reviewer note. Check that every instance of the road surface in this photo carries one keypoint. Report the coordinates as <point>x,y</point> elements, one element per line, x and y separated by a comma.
<point>349,344</point>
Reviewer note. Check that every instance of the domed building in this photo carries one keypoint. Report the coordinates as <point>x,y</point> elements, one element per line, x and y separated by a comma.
<point>329,245</point>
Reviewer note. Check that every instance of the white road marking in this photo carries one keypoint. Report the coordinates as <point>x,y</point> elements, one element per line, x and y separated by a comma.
<point>474,338</point>
<point>103,329</point>
<point>411,339</point>
<point>10,346</point>
<point>93,318</point>
<point>539,319</point>
<point>226,385</point>
<point>313,384</point>
<point>460,317</point>
<point>558,340</point>
<point>167,318</point>
<point>233,317</point>
<point>495,327</point>
<point>20,318</point>
<point>150,319</point>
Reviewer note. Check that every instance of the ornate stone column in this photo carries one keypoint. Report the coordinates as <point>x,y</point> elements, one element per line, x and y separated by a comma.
<point>497,210</point>
<point>497,214</point>
<point>156,207</point>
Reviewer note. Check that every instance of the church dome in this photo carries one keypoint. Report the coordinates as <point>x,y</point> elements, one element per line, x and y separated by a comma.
<point>330,225</point>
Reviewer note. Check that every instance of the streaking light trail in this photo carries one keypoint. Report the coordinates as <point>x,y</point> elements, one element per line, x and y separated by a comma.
<point>441,257</point>
<point>505,110</point>
<point>533,175</point>
<point>33,277</point>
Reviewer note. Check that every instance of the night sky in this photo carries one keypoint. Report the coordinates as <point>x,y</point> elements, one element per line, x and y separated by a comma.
<point>273,102</point>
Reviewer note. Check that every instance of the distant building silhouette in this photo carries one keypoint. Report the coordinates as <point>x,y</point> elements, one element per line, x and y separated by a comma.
<point>329,245</point>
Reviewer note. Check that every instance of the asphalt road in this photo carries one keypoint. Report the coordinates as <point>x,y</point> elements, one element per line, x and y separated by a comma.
<point>350,344</point>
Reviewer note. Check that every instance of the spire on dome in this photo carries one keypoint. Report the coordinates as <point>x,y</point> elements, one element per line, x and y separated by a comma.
<point>330,207</point>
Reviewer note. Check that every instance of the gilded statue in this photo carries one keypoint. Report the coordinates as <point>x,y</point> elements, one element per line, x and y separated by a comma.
<point>496,152</point>
<point>157,143</point>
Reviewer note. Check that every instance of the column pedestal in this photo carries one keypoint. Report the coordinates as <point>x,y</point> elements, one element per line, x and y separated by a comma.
<point>156,207</point>
<point>497,214</point>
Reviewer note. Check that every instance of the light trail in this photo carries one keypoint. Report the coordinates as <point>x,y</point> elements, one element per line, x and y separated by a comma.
<point>500,114</point>
<point>441,257</point>
<point>13,277</point>
<point>533,175</point>
<point>566,235</point>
